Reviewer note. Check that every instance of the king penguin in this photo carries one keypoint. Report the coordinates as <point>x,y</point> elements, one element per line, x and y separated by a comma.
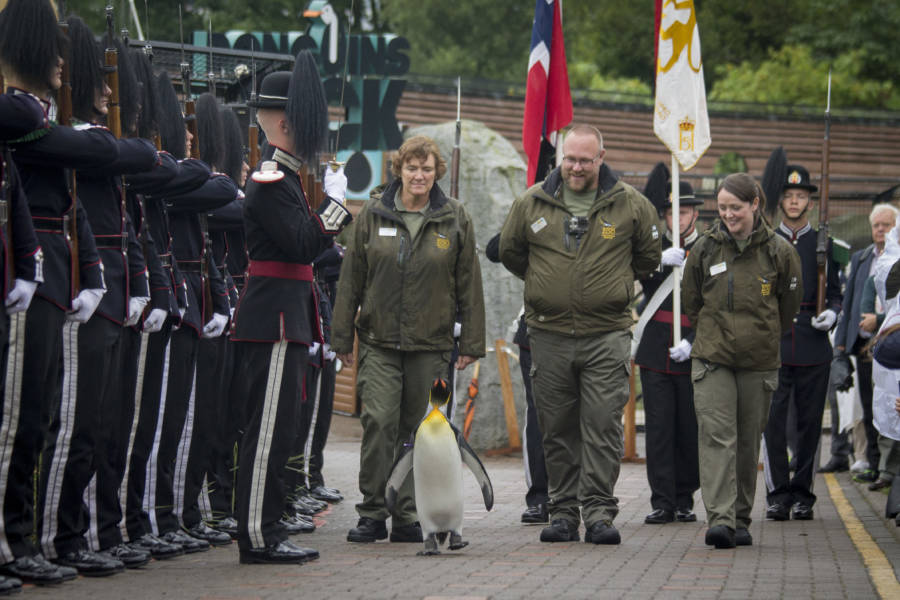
<point>435,454</point>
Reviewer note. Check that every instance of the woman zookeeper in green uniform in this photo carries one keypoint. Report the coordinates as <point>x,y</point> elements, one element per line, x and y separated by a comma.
<point>742,287</point>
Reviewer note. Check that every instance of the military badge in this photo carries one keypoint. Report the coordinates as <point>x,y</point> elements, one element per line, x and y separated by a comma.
<point>765,286</point>
<point>442,241</point>
<point>794,178</point>
<point>609,230</point>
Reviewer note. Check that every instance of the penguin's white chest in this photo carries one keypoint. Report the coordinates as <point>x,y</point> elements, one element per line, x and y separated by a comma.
<point>437,470</point>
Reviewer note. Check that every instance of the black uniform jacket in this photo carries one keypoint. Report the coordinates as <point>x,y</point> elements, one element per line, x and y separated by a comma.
<point>653,351</point>
<point>223,221</point>
<point>26,258</point>
<point>188,245</point>
<point>42,162</point>
<point>100,192</point>
<point>173,178</point>
<point>20,114</point>
<point>280,228</point>
<point>803,344</point>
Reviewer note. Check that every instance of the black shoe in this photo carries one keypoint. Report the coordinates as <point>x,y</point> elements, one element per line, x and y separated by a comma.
<point>189,543</point>
<point>659,516</point>
<point>560,530</point>
<point>202,531</point>
<point>32,569</point>
<point>778,512</point>
<point>326,494</point>
<point>132,558</point>
<point>685,515</point>
<point>90,564</point>
<point>302,506</point>
<point>367,531</point>
<point>742,537</point>
<point>602,532</point>
<point>297,524</point>
<point>835,464</point>
<point>720,536</point>
<point>802,512</point>
<point>879,484</point>
<point>285,552</point>
<point>229,525</point>
<point>10,585</point>
<point>536,514</point>
<point>867,476</point>
<point>157,548</point>
<point>316,506</point>
<point>411,533</point>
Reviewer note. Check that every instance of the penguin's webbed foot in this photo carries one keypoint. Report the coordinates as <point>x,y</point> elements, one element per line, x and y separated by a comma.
<point>456,542</point>
<point>431,547</point>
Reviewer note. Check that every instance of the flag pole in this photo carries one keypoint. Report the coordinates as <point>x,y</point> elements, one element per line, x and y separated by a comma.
<point>676,243</point>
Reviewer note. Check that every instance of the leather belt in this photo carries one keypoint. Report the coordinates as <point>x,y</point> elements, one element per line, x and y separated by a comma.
<point>116,241</point>
<point>280,270</point>
<point>58,225</point>
<point>190,266</point>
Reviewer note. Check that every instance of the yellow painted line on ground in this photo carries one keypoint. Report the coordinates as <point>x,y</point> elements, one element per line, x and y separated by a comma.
<point>880,569</point>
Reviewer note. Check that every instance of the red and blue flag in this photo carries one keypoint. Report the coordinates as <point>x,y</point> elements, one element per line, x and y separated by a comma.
<point>548,101</point>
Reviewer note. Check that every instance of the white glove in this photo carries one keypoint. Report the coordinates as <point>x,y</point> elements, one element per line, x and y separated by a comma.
<point>457,329</point>
<point>136,306</point>
<point>20,296</point>
<point>328,353</point>
<point>335,183</point>
<point>155,320</point>
<point>314,349</point>
<point>681,351</point>
<point>825,320</point>
<point>84,305</point>
<point>216,326</point>
<point>673,257</point>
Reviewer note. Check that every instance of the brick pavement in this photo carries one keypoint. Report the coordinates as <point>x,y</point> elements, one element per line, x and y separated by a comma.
<point>505,560</point>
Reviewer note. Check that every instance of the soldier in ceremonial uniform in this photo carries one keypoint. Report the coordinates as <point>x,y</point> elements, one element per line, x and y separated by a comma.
<point>805,363</point>
<point>30,55</point>
<point>671,425</point>
<point>276,320</point>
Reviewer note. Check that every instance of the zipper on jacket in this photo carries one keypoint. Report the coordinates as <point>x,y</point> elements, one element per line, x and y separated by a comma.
<point>731,291</point>
<point>400,252</point>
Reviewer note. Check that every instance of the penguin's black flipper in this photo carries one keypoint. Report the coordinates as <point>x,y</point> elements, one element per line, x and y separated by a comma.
<point>400,470</point>
<point>474,463</point>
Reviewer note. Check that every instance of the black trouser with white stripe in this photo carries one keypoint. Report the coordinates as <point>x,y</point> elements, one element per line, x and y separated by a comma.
<point>321,425</point>
<point>203,440</point>
<point>229,429</point>
<point>89,361</point>
<point>15,497</point>
<point>535,467</point>
<point>150,402</point>
<point>271,379</point>
<point>171,456</point>
<point>118,429</point>
<point>806,387</point>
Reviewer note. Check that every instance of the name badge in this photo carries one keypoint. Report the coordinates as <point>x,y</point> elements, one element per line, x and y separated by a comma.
<point>539,224</point>
<point>387,231</point>
<point>719,268</point>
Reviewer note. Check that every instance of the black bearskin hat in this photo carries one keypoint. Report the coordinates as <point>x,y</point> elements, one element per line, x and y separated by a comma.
<point>234,145</point>
<point>774,176</point>
<point>307,109</point>
<point>657,187</point>
<point>31,41</point>
<point>171,119</point>
<point>86,69</point>
<point>209,130</point>
<point>148,117</point>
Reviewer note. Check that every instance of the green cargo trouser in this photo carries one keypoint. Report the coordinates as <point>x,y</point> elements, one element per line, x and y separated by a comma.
<point>393,387</point>
<point>580,389</point>
<point>732,407</point>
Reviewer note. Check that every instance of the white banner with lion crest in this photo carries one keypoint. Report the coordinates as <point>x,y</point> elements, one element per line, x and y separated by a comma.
<point>680,120</point>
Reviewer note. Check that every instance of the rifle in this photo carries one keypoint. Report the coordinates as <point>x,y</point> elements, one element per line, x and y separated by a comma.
<point>252,127</point>
<point>111,59</point>
<point>190,110</point>
<point>822,237</point>
<point>64,117</point>
<point>454,161</point>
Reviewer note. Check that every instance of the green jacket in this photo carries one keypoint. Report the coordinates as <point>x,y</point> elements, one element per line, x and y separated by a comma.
<point>585,288</point>
<point>410,295</point>
<point>741,302</point>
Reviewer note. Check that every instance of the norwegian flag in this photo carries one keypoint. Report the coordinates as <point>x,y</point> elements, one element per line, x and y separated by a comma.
<point>548,101</point>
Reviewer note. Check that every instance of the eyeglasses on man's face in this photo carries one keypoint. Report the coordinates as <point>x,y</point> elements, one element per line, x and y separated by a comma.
<point>584,163</point>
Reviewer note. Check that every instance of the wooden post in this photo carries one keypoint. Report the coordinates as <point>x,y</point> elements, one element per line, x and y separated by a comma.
<point>630,422</point>
<point>509,404</point>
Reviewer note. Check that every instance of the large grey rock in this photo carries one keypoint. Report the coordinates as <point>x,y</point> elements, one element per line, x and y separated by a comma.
<point>491,176</point>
